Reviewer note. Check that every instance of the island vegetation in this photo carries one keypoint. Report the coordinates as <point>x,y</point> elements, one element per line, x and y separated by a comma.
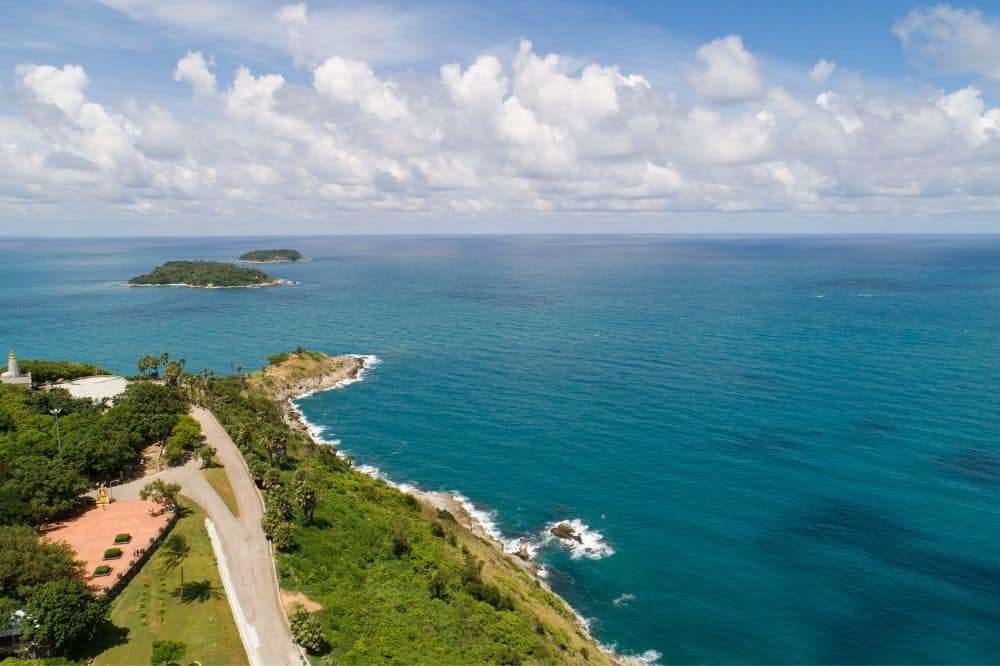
<point>205,274</point>
<point>271,256</point>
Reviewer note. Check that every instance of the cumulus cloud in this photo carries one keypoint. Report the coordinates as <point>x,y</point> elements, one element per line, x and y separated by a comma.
<point>193,69</point>
<point>353,82</point>
<point>534,131</point>
<point>728,72</point>
<point>953,40</point>
<point>822,70</point>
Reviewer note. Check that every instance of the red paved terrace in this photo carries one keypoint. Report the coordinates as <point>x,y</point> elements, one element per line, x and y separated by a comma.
<point>93,532</point>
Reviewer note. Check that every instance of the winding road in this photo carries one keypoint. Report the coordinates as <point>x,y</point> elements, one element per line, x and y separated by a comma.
<point>246,562</point>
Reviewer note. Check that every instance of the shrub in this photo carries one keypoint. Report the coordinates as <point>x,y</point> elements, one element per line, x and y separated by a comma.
<point>307,630</point>
<point>124,537</point>
<point>278,359</point>
<point>102,570</point>
<point>437,530</point>
<point>444,514</point>
<point>167,652</point>
<point>438,586</point>
<point>112,553</point>
<point>400,544</point>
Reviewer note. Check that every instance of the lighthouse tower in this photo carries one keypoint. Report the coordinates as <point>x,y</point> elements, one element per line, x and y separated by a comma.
<point>13,374</point>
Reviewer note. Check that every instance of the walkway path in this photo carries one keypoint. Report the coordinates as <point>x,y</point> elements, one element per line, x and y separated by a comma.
<point>246,553</point>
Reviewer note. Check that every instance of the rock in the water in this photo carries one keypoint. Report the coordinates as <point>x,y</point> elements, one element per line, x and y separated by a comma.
<point>524,554</point>
<point>565,531</point>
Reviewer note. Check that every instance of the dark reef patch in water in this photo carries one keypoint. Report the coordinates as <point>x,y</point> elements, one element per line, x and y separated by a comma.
<point>975,463</point>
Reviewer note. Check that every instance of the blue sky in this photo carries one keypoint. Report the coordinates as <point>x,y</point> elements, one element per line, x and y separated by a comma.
<point>227,116</point>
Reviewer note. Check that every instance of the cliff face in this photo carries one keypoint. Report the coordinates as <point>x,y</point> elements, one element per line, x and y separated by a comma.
<point>304,372</point>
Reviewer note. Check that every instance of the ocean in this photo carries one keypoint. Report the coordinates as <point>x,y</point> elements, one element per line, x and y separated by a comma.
<point>779,449</point>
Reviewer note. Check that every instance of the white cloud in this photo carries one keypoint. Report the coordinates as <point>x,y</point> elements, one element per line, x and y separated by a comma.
<point>822,70</point>
<point>62,87</point>
<point>953,40</point>
<point>531,132</point>
<point>193,69</point>
<point>353,82</point>
<point>728,72</point>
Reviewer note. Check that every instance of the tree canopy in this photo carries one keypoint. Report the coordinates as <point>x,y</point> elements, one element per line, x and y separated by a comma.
<point>272,256</point>
<point>203,274</point>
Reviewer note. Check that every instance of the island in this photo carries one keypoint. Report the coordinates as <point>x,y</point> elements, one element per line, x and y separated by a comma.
<point>271,256</point>
<point>204,275</point>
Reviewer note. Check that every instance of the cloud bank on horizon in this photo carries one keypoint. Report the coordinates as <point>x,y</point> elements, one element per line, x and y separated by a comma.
<point>509,129</point>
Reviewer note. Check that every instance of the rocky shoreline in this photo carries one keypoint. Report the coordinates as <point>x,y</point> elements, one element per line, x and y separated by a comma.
<point>351,370</point>
<point>274,283</point>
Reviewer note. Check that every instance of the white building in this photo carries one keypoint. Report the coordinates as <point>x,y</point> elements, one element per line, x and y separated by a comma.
<point>13,374</point>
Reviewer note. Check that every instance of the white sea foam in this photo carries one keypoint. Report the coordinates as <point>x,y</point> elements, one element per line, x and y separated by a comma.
<point>485,519</point>
<point>623,600</point>
<point>650,657</point>
<point>591,544</point>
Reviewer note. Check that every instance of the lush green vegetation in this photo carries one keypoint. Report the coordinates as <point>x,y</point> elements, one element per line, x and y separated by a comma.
<point>272,256</point>
<point>46,580</point>
<point>203,274</point>
<point>112,553</point>
<point>154,607</point>
<point>396,582</point>
<point>59,371</point>
<point>41,479</point>
<point>124,537</point>
<point>219,480</point>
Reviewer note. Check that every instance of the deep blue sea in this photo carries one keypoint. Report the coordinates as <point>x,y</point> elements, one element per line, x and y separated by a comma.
<point>791,445</point>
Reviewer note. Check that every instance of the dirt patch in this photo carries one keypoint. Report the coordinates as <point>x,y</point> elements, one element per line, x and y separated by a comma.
<point>290,599</point>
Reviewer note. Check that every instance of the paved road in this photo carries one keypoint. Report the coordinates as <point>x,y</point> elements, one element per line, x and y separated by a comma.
<point>245,550</point>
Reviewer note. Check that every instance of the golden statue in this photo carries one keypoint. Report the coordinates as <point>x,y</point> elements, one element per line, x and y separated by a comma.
<point>103,499</point>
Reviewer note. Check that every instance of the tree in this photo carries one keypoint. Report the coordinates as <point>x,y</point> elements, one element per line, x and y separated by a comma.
<point>207,454</point>
<point>277,529</point>
<point>305,495</point>
<point>63,615</point>
<point>279,501</point>
<point>173,552</point>
<point>307,630</point>
<point>174,371</point>
<point>150,364</point>
<point>27,561</point>
<point>49,487</point>
<point>167,652</point>
<point>163,493</point>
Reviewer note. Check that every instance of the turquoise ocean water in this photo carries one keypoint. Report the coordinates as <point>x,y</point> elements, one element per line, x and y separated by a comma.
<point>784,449</point>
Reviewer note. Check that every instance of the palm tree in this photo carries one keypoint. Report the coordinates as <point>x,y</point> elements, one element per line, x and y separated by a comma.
<point>173,552</point>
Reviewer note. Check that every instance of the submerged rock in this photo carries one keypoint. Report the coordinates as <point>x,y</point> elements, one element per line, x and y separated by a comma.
<point>565,531</point>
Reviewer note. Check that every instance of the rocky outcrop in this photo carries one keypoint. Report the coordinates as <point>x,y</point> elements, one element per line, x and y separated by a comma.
<point>565,531</point>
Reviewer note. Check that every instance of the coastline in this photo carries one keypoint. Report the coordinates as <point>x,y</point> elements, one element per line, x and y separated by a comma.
<point>474,520</point>
<point>274,283</point>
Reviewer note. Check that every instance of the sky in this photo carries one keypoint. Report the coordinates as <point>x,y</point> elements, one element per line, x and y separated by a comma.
<point>221,117</point>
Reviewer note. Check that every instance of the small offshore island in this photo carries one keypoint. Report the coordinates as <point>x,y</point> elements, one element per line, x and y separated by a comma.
<point>204,275</point>
<point>271,256</point>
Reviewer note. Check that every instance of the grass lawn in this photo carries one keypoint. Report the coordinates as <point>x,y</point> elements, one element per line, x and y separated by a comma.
<point>150,608</point>
<point>219,480</point>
